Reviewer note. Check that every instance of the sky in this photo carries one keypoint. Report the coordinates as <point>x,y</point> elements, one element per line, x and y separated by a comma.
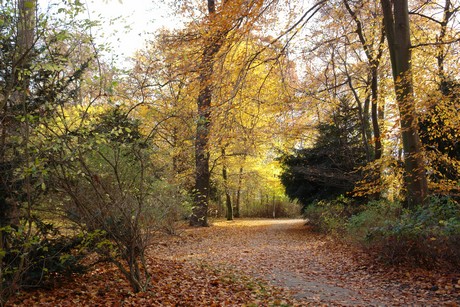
<point>142,17</point>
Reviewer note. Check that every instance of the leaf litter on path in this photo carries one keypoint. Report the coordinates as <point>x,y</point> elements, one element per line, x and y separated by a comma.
<point>314,268</point>
<point>255,263</point>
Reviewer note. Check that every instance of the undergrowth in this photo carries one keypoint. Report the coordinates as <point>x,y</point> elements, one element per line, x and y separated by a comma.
<point>425,236</point>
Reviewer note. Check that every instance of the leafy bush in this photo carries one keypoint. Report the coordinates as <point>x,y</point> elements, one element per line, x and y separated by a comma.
<point>170,205</point>
<point>376,214</point>
<point>36,254</point>
<point>109,184</point>
<point>426,236</point>
<point>331,216</point>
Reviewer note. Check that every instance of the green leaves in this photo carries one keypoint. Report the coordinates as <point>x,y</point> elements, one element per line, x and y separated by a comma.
<point>29,4</point>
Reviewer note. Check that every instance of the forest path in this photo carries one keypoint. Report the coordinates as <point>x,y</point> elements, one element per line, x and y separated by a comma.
<point>313,268</point>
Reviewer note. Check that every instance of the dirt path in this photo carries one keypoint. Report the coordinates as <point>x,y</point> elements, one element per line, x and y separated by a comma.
<point>313,268</point>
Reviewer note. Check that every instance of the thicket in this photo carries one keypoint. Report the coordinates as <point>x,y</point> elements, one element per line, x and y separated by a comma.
<point>78,174</point>
<point>105,181</point>
<point>426,236</point>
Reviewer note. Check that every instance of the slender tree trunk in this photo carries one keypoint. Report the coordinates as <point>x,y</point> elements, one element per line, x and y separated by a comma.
<point>396,18</point>
<point>228,199</point>
<point>364,123</point>
<point>374,112</point>
<point>374,63</point>
<point>440,53</point>
<point>249,198</point>
<point>175,158</point>
<point>366,112</point>
<point>238,194</point>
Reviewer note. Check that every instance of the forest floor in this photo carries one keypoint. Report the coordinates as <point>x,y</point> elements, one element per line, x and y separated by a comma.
<point>255,263</point>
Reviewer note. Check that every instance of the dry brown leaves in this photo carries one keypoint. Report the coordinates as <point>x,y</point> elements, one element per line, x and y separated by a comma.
<point>255,263</point>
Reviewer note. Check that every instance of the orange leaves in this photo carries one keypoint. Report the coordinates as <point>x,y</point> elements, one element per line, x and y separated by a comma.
<point>243,263</point>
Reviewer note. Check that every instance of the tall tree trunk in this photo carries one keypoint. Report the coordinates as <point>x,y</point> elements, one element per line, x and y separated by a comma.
<point>16,91</point>
<point>213,43</point>
<point>202,174</point>
<point>396,19</point>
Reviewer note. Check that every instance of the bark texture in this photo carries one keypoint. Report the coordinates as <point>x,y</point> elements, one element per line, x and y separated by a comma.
<point>213,44</point>
<point>396,19</point>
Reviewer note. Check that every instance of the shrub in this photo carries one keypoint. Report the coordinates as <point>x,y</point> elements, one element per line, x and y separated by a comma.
<point>331,217</point>
<point>376,214</point>
<point>36,254</point>
<point>169,205</point>
<point>426,236</point>
<point>109,184</point>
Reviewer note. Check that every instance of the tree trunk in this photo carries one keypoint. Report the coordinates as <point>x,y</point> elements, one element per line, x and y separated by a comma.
<point>374,112</point>
<point>364,123</point>
<point>441,52</point>
<point>228,199</point>
<point>238,194</point>
<point>16,90</point>
<point>199,216</point>
<point>373,62</point>
<point>396,18</point>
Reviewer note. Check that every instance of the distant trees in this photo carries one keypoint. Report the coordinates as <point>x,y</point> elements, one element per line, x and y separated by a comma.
<point>224,25</point>
<point>251,97</point>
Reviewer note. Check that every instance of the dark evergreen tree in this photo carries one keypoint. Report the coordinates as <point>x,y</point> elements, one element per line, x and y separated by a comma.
<point>329,168</point>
